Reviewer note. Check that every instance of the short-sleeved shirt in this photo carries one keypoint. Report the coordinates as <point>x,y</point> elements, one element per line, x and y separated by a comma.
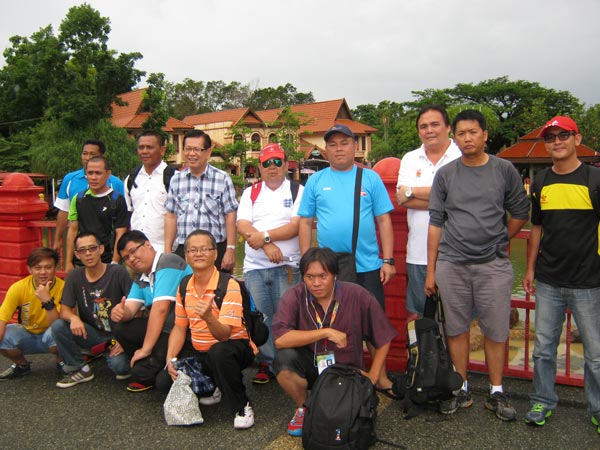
<point>329,196</point>
<point>161,284</point>
<point>22,294</point>
<point>569,250</point>
<point>231,312</point>
<point>417,170</point>
<point>95,300</point>
<point>471,205</point>
<point>359,315</point>
<point>272,209</point>
<point>75,182</point>
<point>146,201</point>
<point>100,215</point>
<point>201,203</point>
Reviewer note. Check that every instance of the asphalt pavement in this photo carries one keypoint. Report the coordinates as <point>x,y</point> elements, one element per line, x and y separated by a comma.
<point>101,414</point>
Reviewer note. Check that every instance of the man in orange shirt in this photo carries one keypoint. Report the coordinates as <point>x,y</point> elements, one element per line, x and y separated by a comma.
<point>220,341</point>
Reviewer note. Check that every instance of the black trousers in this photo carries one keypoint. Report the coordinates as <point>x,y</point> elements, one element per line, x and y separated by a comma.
<point>224,362</point>
<point>131,337</point>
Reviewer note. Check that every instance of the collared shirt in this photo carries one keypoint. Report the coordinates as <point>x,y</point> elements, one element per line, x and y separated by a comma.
<point>359,315</point>
<point>75,182</point>
<point>417,170</point>
<point>147,201</point>
<point>201,202</point>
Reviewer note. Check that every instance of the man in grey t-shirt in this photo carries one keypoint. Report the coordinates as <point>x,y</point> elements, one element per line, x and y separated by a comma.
<point>467,255</point>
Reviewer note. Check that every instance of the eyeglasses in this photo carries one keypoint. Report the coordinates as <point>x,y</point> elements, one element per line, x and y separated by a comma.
<point>277,161</point>
<point>132,252</point>
<point>201,250</point>
<point>562,136</point>
<point>89,248</point>
<point>194,150</point>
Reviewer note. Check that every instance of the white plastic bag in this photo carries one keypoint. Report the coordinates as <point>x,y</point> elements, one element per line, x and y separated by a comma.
<point>181,405</point>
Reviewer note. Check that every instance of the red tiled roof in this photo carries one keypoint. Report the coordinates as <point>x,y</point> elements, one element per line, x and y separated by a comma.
<point>531,148</point>
<point>229,115</point>
<point>129,116</point>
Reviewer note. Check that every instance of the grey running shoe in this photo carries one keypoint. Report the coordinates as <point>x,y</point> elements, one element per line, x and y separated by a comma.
<point>74,378</point>
<point>499,402</point>
<point>461,400</point>
<point>538,414</point>
<point>15,371</point>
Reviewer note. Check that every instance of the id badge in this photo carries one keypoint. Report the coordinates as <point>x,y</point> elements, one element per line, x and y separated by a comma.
<point>324,360</point>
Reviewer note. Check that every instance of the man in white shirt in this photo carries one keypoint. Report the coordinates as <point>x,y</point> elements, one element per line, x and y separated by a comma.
<point>412,192</point>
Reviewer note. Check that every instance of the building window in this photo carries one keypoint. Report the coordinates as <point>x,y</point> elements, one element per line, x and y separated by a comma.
<point>255,140</point>
<point>176,142</point>
<point>238,138</point>
<point>363,142</point>
<point>272,138</point>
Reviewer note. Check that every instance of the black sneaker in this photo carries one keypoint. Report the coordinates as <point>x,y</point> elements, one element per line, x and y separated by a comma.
<point>499,402</point>
<point>15,371</point>
<point>461,400</point>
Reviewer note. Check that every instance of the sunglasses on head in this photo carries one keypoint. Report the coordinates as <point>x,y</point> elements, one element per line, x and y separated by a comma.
<point>562,136</point>
<point>277,161</point>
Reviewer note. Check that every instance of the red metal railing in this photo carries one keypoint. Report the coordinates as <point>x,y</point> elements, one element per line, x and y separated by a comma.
<point>525,370</point>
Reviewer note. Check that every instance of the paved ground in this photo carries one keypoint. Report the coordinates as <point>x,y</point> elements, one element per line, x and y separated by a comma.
<point>101,414</point>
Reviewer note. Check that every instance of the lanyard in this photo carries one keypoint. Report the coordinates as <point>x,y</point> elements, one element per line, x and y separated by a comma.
<point>320,322</point>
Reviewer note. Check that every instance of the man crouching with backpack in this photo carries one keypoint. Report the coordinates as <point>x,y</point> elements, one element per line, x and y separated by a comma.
<point>321,322</point>
<point>219,340</point>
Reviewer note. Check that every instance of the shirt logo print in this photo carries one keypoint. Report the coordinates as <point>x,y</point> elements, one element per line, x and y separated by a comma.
<point>287,203</point>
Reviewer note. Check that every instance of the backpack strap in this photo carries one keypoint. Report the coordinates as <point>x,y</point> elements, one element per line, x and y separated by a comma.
<point>255,190</point>
<point>131,178</point>
<point>167,175</point>
<point>183,286</point>
<point>294,186</point>
<point>221,288</point>
<point>594,187</point>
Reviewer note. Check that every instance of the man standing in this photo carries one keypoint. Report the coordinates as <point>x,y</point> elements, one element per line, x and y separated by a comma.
<point>75,182</point>
<point>146,188</point>
<point>90,294</point>
<point>219,339</point>
<point>325,320</point>
<point>100,210</point>
<point>412,192</point>
<point>201,197</point>
<point>146,318</point>
<point>38,296</point>
<point>467,253</point>
<point>564,260</point>
<point>329,196</point>
<point>268,221</point>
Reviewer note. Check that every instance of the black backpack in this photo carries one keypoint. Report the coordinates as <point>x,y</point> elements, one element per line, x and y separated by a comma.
<point>167,175</point>
<point>254,320</point>
<point>341,411</point>
<point>430,375</point>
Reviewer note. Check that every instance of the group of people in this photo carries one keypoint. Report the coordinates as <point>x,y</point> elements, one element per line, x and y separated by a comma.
<point>177,231</point>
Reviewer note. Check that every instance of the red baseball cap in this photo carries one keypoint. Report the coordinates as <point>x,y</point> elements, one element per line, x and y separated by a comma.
<point>273,150</point>
<point>564,122</point>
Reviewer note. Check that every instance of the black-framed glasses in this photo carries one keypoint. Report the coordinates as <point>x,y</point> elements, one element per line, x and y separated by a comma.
<point>277,161</point>
<point>201,250</point>
<point>562,136</point>
<point>88,249</point>
<point>194,150</point>
<point>132,252</point>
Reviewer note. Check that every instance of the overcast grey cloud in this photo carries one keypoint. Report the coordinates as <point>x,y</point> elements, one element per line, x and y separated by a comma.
<point>365,51</point>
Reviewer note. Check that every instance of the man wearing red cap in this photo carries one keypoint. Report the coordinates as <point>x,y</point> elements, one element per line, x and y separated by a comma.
<point>565,262</point>
<point>267,219</point>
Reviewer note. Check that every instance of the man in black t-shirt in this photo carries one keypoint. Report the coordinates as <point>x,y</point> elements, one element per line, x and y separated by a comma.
<point>99,210</point>
<point>90,294</point>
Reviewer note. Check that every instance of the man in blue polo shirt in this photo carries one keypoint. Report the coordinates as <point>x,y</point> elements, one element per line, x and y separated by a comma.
<point>145,319</point>
<point>75,182</point>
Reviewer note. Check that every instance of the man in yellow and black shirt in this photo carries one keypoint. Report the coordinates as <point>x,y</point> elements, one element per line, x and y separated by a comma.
<point>564,259</point>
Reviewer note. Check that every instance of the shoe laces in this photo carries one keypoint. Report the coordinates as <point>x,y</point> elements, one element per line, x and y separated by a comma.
<point>538,407</point>
<point>245,411</point>
<point>263,368</point>
<point>298,415</point>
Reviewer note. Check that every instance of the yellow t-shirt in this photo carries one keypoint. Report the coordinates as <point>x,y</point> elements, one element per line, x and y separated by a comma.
<point>22,294</point>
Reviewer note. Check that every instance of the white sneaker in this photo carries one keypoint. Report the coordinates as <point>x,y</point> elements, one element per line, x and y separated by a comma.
<point>242,422</point>
<point>212,400</point>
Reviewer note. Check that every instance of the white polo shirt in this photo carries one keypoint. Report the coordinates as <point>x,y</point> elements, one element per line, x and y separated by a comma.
<point>416,170</point>
<point>272,209</point>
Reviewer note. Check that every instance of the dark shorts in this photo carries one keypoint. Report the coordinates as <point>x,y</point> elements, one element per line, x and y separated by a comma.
<point>371,281</point>
<point>299,360</point>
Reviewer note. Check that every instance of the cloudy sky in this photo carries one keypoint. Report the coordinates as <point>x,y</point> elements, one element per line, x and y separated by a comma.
<point>366,51</point>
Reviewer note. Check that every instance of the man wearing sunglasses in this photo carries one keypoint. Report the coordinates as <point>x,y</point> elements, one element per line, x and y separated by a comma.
<point>268,221</point>
<point>201,197</point>
<point>564,261</point>
<point>90,294</point>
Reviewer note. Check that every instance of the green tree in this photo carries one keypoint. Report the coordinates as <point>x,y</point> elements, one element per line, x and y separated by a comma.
<point>288,124</point>
<point>589,126</point>
<point>153,102</point>
<point>279,97</point>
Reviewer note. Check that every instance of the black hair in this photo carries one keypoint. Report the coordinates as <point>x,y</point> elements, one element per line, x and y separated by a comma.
<point>37,254</point>
<point>157,134</point>
<point>213,241</point>
<point>97,142</point>
<point>323,255</point>
<point>196,134</point>
<point>470,114</point>
<point>100,158</point>
<point>131,236</point>
<point>438,108</point>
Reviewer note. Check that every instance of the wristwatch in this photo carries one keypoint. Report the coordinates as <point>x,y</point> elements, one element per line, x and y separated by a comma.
<point>408,193</point>
<point>267,237</point>
<point>49,305</point>
<point>390,261</point>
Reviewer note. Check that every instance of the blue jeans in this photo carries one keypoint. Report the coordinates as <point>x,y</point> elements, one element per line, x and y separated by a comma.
<point>267,286</point>
<point>16,336</point>
<point>69,347</point>
<point>415,288</point>
<point>551,304</point>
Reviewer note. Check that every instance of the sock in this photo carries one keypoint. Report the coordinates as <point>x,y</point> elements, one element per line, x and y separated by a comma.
<point>494,389</point>
<point>86,368</point>
<point>465,386</point>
